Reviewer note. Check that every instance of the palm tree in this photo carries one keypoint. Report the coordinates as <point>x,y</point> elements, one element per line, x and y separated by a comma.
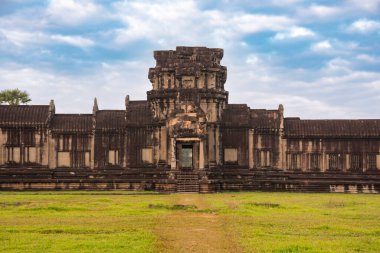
<point>14,97</point>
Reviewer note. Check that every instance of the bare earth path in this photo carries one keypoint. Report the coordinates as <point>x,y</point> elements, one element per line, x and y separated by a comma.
<point>194,231</point>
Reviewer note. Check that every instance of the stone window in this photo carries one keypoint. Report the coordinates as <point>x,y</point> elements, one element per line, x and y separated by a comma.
<point>314,161</point>
<point>113,141</point>
<point>263,158</point>
<point>113,157</point>
<point>30,155</point>
<point>258,158</point>
<point>356,162</point>
<point>230,155</point>
<point>64,143</point>
<point>372,161</point>
<point>29,139</point>
<point>161,82</point>
<point>334,161</point>
<point>147,155</point>
<point>13,155</point>
<point>266,141</point>
<point>13,137</point>
<point>64,159</point>
<point>293,161</point>
<point>83,143</point>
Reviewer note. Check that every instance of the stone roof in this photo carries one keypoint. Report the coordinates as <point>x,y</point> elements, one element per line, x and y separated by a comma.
<point>110,119</point>
<point>189,61</point>
<point>23,115</point>
<point>265,119</point>
<point>235,115</point>
<point>294,127</point>
<point>79,123</point>
<point>139,113</point>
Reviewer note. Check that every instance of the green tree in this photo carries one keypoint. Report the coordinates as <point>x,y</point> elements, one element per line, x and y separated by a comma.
<point>14,97</point>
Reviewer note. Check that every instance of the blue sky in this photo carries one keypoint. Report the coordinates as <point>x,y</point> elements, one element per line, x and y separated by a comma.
<point>320,59</point>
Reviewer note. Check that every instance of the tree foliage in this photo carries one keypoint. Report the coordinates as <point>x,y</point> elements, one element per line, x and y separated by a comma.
<point>14,97</point>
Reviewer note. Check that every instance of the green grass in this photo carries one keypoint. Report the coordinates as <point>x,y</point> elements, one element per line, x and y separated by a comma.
<point>134,222</point>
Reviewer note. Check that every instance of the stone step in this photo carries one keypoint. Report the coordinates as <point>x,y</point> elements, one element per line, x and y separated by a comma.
<point>192,177</point>
<point>188,188</point>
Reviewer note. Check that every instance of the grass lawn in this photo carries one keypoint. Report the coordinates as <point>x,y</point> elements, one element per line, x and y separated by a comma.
<point>222,222</point>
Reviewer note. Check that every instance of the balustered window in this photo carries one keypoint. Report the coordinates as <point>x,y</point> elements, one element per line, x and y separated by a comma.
<point>315,161</point>
<point>372,161</point>
<point>333,162</point>
<point>293,161</point>
<point>356,162</point>
<point>13,137</point>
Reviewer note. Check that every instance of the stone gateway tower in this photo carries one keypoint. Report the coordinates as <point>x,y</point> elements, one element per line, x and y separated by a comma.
<point>187,100</point>
<point>186,137</point>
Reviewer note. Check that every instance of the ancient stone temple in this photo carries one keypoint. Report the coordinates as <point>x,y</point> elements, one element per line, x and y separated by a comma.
<point>186,137</point>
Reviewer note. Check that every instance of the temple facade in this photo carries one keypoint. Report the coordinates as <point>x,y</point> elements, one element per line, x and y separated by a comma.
<point>186,137</point>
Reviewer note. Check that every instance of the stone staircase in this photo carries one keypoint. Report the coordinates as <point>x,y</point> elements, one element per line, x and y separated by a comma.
<point>187,181</point>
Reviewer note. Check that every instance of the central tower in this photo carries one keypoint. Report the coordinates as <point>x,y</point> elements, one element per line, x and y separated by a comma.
<point>187,100</point>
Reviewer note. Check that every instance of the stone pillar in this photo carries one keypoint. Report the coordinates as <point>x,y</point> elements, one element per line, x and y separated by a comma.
<point>324,164</point>
<point>92,157</point>
<point>201,156</point>
<point>163,145</point>
<point>217,145</point>
<point>156,145</point>
<point>211,146</point>
<point>282,150</point>
<point>44,148</point>
<point>250,148</point>
<point>173,161</point>
<point>3,137</point>
<point>38,147</point>
<point>52,152</point>
<point>126,150</point>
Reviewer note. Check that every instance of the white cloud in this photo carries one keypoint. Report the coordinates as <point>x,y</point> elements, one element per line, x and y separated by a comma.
<point>368,58</point>
<point>295,32</point>
<point>77,41</point>
<point>365,5</point>
<point>321,46</point>
<point>336,90</point>
<point>72,12</point>
<point>252,59</point>
<point>186,23</point>
<point>338,65</point>
<point>74,93</point>
<point>320,11</point>
<point>284,2</point>
<point>334,47</point>
<point>323,11</point>
<point>28,39</point>
<point>337,10</point>
<point>364,26</point>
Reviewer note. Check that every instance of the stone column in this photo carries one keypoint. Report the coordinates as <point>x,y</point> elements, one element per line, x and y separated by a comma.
<point>173,162</point>
<point>156,145</point>
<point>250,148</point>
<point>92,156</point>
<point>163,145</point>
<point>217,145</point>
<point>283,151</point>
<point>3,137</point>
<point>52,152</point>
<point>201,156</point>
<point>211,146</point>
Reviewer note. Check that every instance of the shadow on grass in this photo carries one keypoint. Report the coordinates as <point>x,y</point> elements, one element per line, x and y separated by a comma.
<point>263,204</point>
<point>178,207</point>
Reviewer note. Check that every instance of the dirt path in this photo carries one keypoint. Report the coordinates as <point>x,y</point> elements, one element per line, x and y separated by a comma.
<point>186,231</point>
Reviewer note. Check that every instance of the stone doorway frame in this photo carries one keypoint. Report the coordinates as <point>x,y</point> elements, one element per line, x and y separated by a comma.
<point>198,152</point>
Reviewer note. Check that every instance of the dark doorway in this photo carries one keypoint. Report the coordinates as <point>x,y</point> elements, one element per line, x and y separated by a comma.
<point>187,156</point>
